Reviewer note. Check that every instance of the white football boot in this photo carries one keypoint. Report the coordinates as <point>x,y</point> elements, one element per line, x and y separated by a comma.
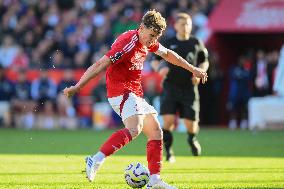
<point>92,167</point>
<point>159,184</point>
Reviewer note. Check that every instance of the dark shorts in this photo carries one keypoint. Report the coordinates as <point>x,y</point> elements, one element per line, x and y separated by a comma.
<point>185,102</point>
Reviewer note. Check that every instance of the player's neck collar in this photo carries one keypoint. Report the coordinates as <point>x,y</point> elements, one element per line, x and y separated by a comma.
<point>137,33</point>
<point>182,38</point>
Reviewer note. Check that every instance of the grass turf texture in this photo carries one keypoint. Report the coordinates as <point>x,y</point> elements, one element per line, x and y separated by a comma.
<point>55,159</point>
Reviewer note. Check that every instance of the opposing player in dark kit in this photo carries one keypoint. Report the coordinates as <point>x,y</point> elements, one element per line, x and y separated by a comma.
<point>180,87</point>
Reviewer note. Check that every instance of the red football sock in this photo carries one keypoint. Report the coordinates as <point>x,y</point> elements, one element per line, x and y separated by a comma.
<point>154,156</point>
<point>116,141</point>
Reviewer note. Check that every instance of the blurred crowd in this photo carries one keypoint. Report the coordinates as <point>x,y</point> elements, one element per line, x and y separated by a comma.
<point>68,35</point>
<point>74,33</point>
<point>39,103</point>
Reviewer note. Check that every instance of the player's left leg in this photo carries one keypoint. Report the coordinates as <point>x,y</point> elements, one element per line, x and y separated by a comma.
<point>193,128</point>
<point>154,134</point>
<point>190,113</point>
<point>168,109</point>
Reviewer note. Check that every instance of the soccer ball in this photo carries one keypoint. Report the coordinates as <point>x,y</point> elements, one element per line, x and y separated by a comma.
<point>136,175</point>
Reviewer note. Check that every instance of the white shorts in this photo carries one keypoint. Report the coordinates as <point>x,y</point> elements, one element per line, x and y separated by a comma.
<point>129,104</point>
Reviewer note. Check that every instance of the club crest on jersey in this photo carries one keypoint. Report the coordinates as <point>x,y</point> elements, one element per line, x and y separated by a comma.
<point>137,62</point>
<point>116,57</point>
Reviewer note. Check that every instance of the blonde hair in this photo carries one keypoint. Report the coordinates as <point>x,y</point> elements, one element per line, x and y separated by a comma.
<point>155,21</point>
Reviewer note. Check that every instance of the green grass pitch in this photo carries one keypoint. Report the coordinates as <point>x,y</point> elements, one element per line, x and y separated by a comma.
<point>55,159</point>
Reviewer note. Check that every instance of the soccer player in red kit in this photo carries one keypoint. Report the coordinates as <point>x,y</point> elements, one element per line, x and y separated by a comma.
<point>124,63</point>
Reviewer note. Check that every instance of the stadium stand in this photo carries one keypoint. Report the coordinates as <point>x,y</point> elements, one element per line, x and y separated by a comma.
<point>56,35</point>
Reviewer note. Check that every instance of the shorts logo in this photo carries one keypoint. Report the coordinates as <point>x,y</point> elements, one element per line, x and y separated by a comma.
<point>136,108</point>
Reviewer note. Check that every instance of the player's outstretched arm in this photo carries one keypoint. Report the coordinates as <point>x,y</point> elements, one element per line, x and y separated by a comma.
<point>89,74</point>
<point>173,58</point>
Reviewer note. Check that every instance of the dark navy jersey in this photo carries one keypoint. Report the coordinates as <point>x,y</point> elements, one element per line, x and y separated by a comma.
<point>193,51</point>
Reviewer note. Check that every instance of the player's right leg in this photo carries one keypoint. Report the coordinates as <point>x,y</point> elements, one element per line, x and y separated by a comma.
<point>169,124</point>
<point>133,127</point>
<point>127,107</point>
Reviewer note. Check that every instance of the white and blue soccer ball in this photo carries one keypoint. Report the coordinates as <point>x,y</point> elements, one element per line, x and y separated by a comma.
<point>136,175</point>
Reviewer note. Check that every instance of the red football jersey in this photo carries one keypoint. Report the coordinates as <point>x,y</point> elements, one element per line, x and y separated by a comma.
<point>127,55</point>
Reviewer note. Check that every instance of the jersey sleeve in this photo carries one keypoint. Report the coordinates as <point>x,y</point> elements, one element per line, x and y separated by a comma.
<point>166,45</point>
<point>202,53</point>
<point>154,48</point>
<point>116,52</point>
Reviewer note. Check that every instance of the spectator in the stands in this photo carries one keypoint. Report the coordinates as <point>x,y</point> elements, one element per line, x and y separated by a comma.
<point>99,92</point>
<point>6,93</point>
<point>66,108</point>
<point>260,75</point>
<point>22,105</point>
<point>43,89</point>
<point>47,117</point>
<point>279,76</point>
<point>272,59</point>
<point>239,93</point>
<point>21,60</point>
<point>8,51</point>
